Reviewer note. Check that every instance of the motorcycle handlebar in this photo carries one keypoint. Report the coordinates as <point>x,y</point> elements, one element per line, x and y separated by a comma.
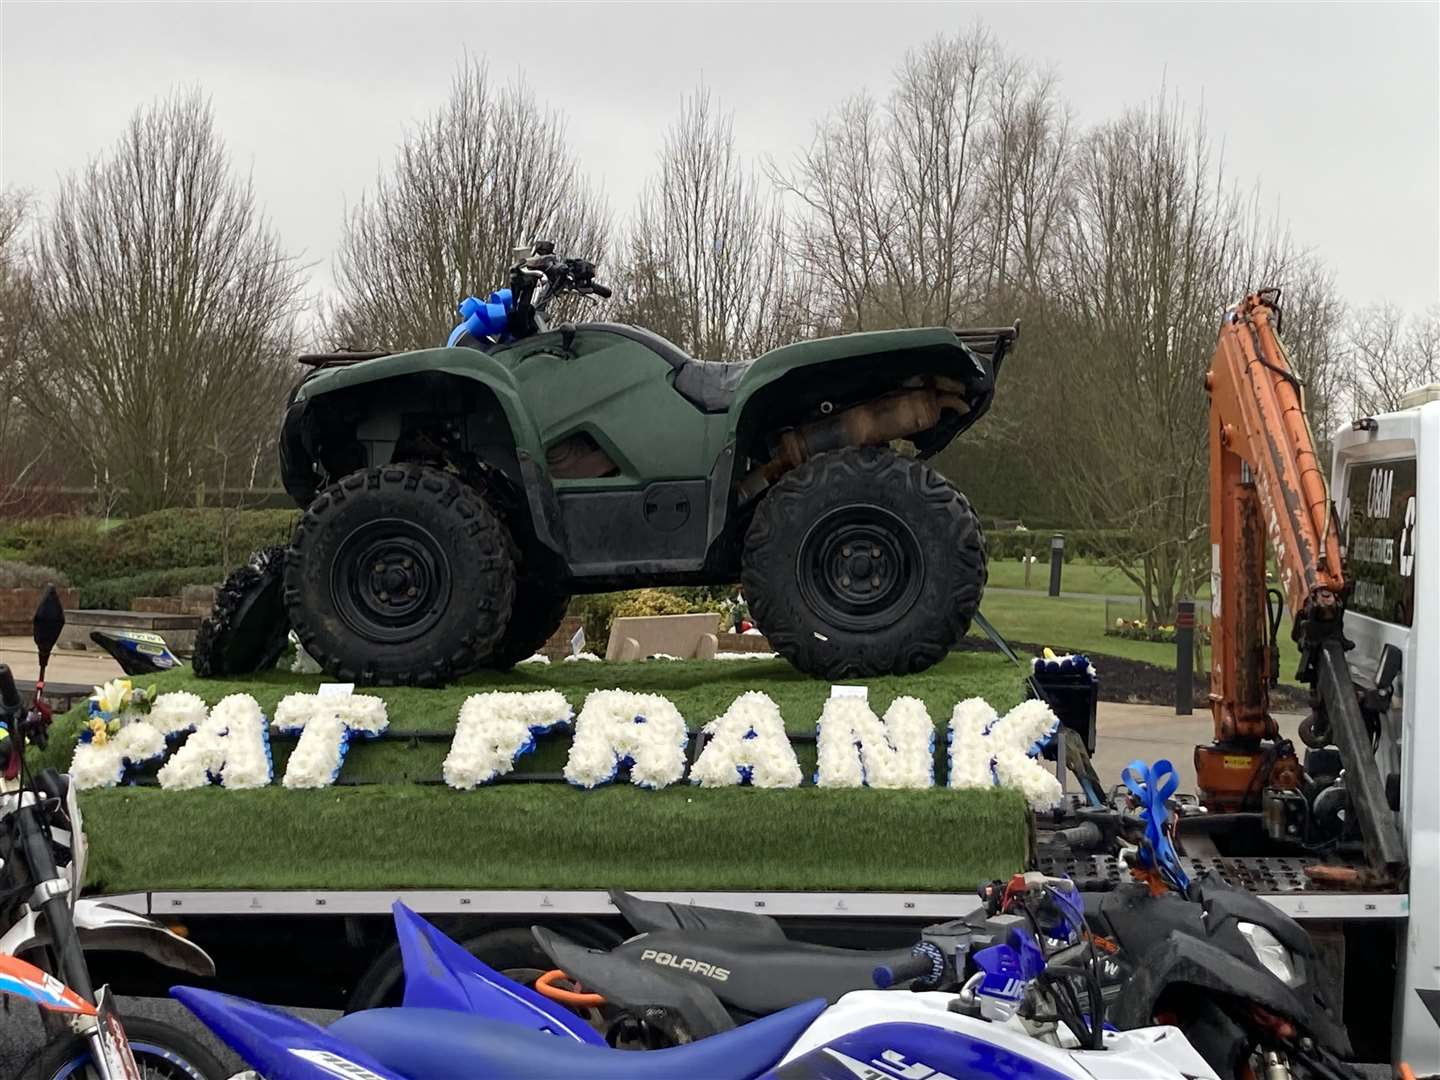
<point>925,963</point>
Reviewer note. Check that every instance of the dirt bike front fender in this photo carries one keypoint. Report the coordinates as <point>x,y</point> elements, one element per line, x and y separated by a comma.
<point>103,926</point>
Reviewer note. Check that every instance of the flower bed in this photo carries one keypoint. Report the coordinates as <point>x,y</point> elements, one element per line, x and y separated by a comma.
<point>1138,630</point>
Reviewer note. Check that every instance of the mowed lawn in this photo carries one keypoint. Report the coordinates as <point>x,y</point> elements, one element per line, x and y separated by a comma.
<point>399,828</point>
<point>1076,576</point>
<point>1069,624</point>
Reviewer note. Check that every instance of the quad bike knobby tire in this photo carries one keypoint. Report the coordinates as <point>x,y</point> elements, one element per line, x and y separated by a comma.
<point>399,576</point>
<point>539,609</point>
<point>247,629</point>
<point>861,562</point>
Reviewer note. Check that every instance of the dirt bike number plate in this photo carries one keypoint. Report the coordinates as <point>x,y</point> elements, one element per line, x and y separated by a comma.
<point>110,1038</point>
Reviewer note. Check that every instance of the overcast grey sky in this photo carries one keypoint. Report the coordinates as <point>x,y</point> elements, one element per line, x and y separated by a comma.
<point>1333,109</point>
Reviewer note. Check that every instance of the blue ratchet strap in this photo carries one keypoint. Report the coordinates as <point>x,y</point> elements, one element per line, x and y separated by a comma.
<point>1152,785</point>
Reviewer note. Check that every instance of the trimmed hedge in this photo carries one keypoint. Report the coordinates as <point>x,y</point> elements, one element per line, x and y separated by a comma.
<point>89,552</point>
<point>20,575</point>
<point>116,593</point>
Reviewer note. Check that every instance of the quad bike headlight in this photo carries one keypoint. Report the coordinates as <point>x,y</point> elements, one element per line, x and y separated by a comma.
<point>1274,957</point>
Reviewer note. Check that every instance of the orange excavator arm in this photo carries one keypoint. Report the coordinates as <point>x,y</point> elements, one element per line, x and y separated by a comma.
<point>1266,484</point>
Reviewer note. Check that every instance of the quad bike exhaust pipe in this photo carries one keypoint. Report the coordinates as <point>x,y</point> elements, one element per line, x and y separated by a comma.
<point>874,423</point>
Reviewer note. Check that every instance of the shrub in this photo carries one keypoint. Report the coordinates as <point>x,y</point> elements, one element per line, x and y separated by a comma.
<point>117,592</point>
<point>598,610</point>
<point>89,552</point>
<point>19,575</point>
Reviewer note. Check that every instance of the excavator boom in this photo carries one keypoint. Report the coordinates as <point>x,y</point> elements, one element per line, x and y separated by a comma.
<point>1266,483</point>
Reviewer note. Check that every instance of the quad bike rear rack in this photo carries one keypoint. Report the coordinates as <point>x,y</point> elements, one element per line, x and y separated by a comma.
<point>343,358</point>
<point>992,342</point>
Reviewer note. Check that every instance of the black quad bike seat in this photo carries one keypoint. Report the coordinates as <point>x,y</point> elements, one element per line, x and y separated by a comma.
<point>646,915</point>
<point>758,976</point>
<point>709,385</point>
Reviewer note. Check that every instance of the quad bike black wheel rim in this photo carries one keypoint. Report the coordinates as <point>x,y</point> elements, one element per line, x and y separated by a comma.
<point>391,580</point>
<point>860,567</point>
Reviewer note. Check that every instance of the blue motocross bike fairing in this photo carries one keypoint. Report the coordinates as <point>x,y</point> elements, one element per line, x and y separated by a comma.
<point>439,974</point>
<point>439,1044</point>
<point>277,1045</point>
<point>912,1050</point>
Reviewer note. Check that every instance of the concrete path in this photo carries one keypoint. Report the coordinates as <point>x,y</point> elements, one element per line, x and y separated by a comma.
<point>87,666</point>
<point>1126,732</point>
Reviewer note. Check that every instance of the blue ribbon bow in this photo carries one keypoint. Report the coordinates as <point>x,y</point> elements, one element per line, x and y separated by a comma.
<point>1152,785</point>
<point>484,318</point>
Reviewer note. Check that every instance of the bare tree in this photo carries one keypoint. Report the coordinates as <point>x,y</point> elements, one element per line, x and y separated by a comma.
<point>1312,329</point>
<point>488,171</point>
<point>24,447</point>
<point>164,305</point>
<point>1027,160</point>
<point>705,261</point>
<point>893,198</point>
<point>1390,354</point>
<point>847,216</point>
<point>1151,243</point>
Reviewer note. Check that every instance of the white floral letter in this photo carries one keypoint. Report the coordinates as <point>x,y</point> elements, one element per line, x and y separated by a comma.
<point>497,728</point>
<point>747,743</point>
<point>985,750</point>
<point>853,747</point>
<point>232,744</point>
<point>616,726</point>
<point>325,725</point>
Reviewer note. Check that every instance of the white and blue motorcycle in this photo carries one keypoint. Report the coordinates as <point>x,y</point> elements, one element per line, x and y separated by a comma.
<point>460,1018</point>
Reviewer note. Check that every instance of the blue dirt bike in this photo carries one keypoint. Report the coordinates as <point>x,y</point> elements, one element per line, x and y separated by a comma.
<point>462,1018</point>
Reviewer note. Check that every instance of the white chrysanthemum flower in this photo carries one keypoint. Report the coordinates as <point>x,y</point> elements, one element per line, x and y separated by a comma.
<point>747,740</point>
<point>615,726</point>
<point>495,729</point>
<point>1015,768</point>
<point>232,743</point>
<point>95,766</point>
<point>178,711</point>
<point>1029,726</point>
<point>969,749</point>
<point>854,747</point>
<point>363,714</point>
<point>319,753</point>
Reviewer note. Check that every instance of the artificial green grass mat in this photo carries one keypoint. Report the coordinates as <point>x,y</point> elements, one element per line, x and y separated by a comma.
<point>394,833</point>
<point>553,837</point>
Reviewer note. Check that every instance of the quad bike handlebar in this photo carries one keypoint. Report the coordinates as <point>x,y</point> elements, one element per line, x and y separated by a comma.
<point>542,276</point>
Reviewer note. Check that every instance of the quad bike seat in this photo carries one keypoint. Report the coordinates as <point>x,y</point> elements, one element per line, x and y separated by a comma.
<point>710,386</point>
<point>646,915</point>
<point>438,1044</point>
<point>760,975</point>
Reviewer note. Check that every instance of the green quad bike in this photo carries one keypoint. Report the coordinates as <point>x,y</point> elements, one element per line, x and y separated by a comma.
<point>455,498</point>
